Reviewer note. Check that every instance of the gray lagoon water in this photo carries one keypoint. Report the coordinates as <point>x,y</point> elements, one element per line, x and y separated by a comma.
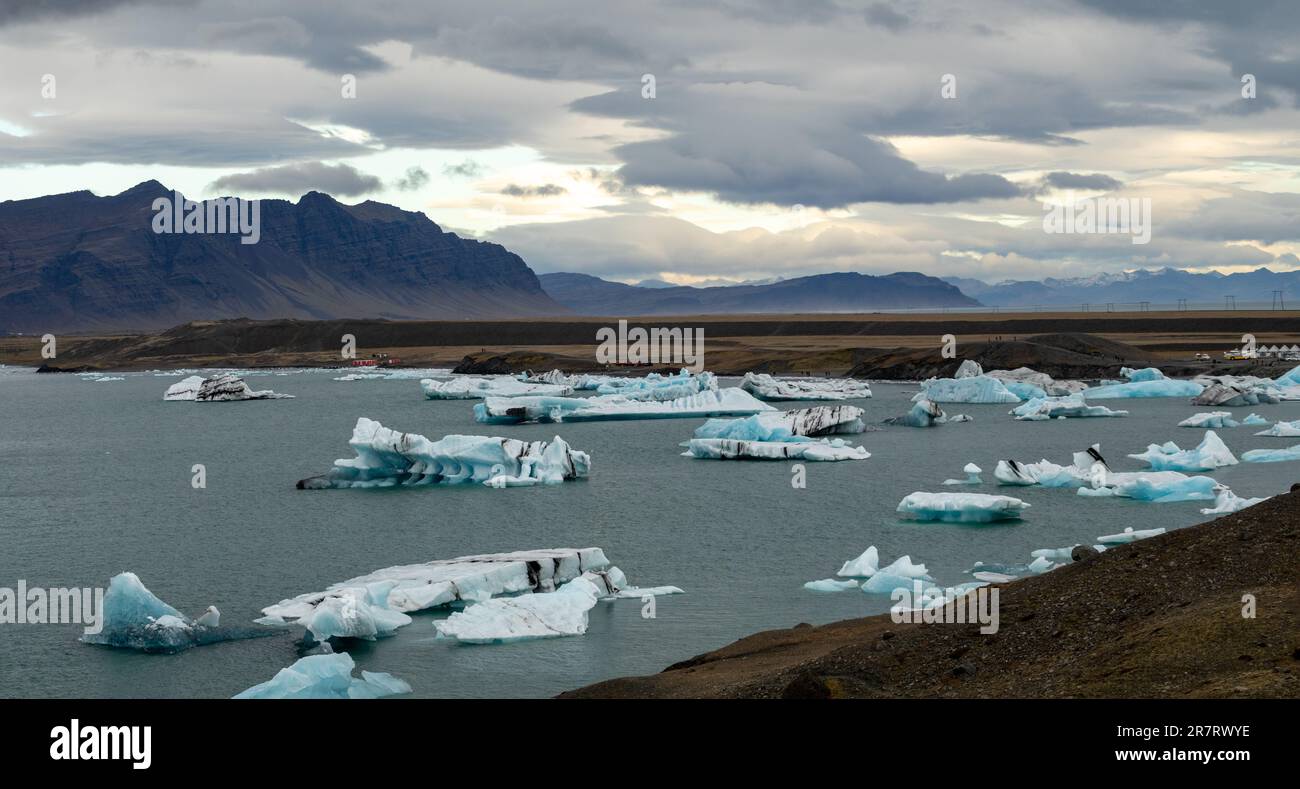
<point>95,479</point>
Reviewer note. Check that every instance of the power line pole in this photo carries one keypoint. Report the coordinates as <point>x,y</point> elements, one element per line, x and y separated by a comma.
<point>1182,305</point>
<point>1230,302</point>
<point>1144,306</point>
<point>1277,300</point>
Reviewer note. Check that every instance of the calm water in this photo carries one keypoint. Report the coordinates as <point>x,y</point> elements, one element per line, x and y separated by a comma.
<point>95,479</point>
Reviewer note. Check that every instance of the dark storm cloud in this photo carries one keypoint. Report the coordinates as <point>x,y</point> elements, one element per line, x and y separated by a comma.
<point>1092,181</point>
<point>35,10</point>
<point>295,179</point>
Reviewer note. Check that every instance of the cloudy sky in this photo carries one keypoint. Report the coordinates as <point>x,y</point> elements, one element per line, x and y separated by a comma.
<point>781,137</point>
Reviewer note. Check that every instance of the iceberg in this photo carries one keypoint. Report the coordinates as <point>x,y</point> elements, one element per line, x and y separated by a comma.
<point>1035,384</point>
<point>972,476</point>
<point>326,677</point>
<point>656,387</point>
<point>387,458</point>
<point>218,388</point>
<point>1211,419</point>
<point>1226,502</point>
<point>1165,387</point>
<point>811,450</point>
<point>992,578</point>
<point>1069,407</point>
<point>577,383</point>
<point>822,420</point>
<point>864,566</point>
<point>1210,454</point>
<point>1129,535</point>
<point>969,368</point>
<point>960,507</point>
<point>1233,395</point>
<point>1254,420</point>
<point>1272,455</point>
<point>923,414</point>
<point>766,387</point>
<point>1159,487</point>
<point>478,388</point>
<point>973,389</point>
<point>1145,374</point>
<point>1282,430</point>
<point>1050,475</point>
<point>731,401</point>
<point>830,585</point>
<point>134,618</point>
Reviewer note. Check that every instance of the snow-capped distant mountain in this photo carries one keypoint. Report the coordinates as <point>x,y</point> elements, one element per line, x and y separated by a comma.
<point>1159,287</point>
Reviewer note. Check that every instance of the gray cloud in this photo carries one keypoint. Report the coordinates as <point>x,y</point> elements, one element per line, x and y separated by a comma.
<point>296,179</point>
<point>1061,179</point>
<point>542,190</point>
<point>466,169</point>
<point>415,178</point>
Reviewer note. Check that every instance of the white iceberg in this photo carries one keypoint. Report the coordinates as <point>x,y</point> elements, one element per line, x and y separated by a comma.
<point>972,476</point>
<point>1164,387</point>
<point>326,677</point>
<point>1070,407</point>
<point>134,618</point>
<point>1282,430</point>
<point>830,585</point>
<point>960,507</point>
<point>731,401</point>
<point>1129,535</point>
<point>1159,487</point>
<point>577,383</point>
<point>387,458</point>
<point>1144,374</point>
<point>811,450</point>
<point>1210,454</point>
<point>1227,502</point>
<point>864,566</point>
<point>1272,455</point>
<point>1051,475</point>
<point>974,389</point>
<point>656,387</point>
<point>1210,419</point>
<point>766,387</point>
<point>969,368</point>
<point>478,388</point>
<point>822,420</point>
<point>218,388</point>
<point>1254,420</point>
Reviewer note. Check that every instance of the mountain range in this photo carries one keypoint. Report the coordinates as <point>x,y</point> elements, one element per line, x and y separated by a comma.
<point>1162,287</point>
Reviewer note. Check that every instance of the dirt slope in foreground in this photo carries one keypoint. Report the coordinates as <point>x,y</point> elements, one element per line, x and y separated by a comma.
<point>1157,618</point>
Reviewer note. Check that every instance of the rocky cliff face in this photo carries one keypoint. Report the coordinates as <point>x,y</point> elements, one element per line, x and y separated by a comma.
<point>77,262</point>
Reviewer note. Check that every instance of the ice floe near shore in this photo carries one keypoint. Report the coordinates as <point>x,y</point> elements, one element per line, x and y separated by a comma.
<point>1069,407</point>
<point>878,580</point>
<point>387,458</point>
<point>1129,535</point>
<point>1051,475</point>
<point>326,677</point>
<point>960,507</point>
<point>1227,502</point>
<point>766,387</point>
<point>1271,455</point>
<point>1210,454</point>
<point>373,602</point>
<point>134,618</point>
<point>731,401</point>
<point>478,388</point>
<point>218,388</point>
<point>1159,487</point>
<point>1282,430</point>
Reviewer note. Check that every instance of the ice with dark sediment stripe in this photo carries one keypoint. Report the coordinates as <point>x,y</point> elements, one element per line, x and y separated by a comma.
<point>466,388</point>
<point>731,401</point>
<point>767,387</point>
<point>218,388</point>
<point>1051,475</point>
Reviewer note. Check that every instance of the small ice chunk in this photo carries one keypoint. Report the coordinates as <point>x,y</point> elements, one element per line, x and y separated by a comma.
<point>972,476</point>
<point>1254,420</point>
<point>961,507</point>
<point>1210,419</point>
<point>1228,502</point>
<point>830,585</point>
<point>1282,430</point>
<point>731,401</point>
<point>134,618</point>
<point>326,677</point>
<point>1129,535</point>
<point>218,388</point>
<point>991,577</point>
<point>1271,455</point>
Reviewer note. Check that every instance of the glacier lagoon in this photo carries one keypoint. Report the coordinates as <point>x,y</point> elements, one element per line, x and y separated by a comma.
<point>97,478</point>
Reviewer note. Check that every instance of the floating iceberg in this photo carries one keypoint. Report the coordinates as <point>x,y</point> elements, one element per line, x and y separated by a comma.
<point>1032,379</point>
<point>1271,455</point>
<point>719,402</point>
<point>972,476</point>
<point>830,585</point>
<point>864,566</point>
<point>478,388</point>
<point>1070,407</point>
<point>134,618</point>
<point>765,387</point>
<point>960,507</point>
<point>1159,487</point>
<point>326,677</point>
<point>969,368</point>
<point>973,389</point>
<point>1282,430</point>
<point>1254,420</point>
<point>1211,419</point>
<point>1129,535</point>
<point>811,450</point>
<point>387,458</point>
<point>1145,374</point>
<point>1210,454</point>
<point>577,383</point>
<point>923,414</point>
<point>1228,502</point>
<point>822,420</point>
<point>218,388</point>
<point>1165,387</point>
<point>656,387</point>
<point>1234,395</point>
<point>1050,475</point>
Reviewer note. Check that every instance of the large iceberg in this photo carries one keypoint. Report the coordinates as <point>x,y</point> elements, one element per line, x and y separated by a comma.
<point>326,677</point>
<point>731,401</point>
<point>1028,383</point>
<point>478,388</point>
<point>1235,395</point>
<point>1282,430</point>
<point>822,420</point>
<point>813,450</point>
<point>766,387</point>
<point>1210,454</point>
<point>1160,487</point>
<point>972,389</point>
<point>134,618</point>
<point>1070,407</point>
<point>218,388</point>
<point>1164,387</point>
<point>387,458</point>
<point>960,507</point>
<point>1051,475</point>
<point>1271,455</point>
